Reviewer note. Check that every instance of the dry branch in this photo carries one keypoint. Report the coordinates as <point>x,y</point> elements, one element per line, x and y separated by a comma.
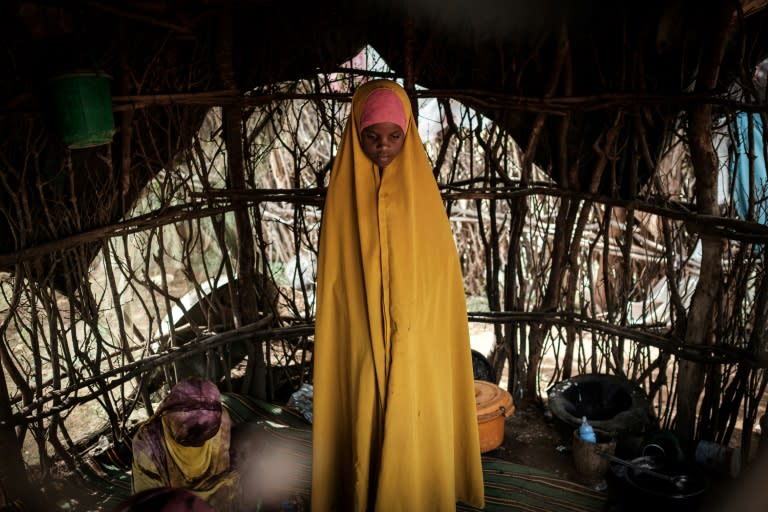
<point>111,379</point>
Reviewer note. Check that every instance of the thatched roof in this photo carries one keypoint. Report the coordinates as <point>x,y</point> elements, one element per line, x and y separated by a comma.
<point>520,63</point>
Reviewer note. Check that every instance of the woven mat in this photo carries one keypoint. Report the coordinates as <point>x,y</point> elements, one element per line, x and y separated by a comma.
<point>508,486</point>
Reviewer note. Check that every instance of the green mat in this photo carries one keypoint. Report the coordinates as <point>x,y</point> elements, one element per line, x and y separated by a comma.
<point>508,487</point>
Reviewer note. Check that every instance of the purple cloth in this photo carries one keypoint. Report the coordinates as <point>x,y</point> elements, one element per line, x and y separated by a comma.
<point>192,411</point>
<point>164,499</point>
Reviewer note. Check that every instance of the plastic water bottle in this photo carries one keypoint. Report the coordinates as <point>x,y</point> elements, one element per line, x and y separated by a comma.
<point>586,432</point>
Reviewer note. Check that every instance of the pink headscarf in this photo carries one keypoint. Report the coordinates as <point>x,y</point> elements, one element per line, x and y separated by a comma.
<point>382,106</point>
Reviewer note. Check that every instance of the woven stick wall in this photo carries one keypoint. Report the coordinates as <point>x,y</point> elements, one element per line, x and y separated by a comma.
<point>212,267</point>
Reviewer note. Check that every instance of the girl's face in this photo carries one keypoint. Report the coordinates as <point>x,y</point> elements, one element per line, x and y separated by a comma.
<point>382,142</point>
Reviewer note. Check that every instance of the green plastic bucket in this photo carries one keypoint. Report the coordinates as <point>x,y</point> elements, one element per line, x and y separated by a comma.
<point>82,108</point>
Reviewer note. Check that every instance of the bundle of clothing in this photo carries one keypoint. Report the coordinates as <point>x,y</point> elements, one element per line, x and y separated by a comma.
<point>186,444</point>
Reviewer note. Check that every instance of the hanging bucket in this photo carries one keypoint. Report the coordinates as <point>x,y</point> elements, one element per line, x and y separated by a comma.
<point>82,108</point>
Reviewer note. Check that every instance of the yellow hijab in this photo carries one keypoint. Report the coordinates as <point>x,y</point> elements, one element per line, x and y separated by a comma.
<point>394,414</point>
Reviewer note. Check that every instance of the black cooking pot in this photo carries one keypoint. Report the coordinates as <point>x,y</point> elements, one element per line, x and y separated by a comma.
<point>611,403</point>
<point>634,489</point>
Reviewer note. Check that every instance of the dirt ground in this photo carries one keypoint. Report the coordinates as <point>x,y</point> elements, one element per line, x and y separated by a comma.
<point>531,436</point>
<point>531,440</point>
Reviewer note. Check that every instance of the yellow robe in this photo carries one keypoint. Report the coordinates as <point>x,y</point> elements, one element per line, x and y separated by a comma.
<point>394,414</point>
